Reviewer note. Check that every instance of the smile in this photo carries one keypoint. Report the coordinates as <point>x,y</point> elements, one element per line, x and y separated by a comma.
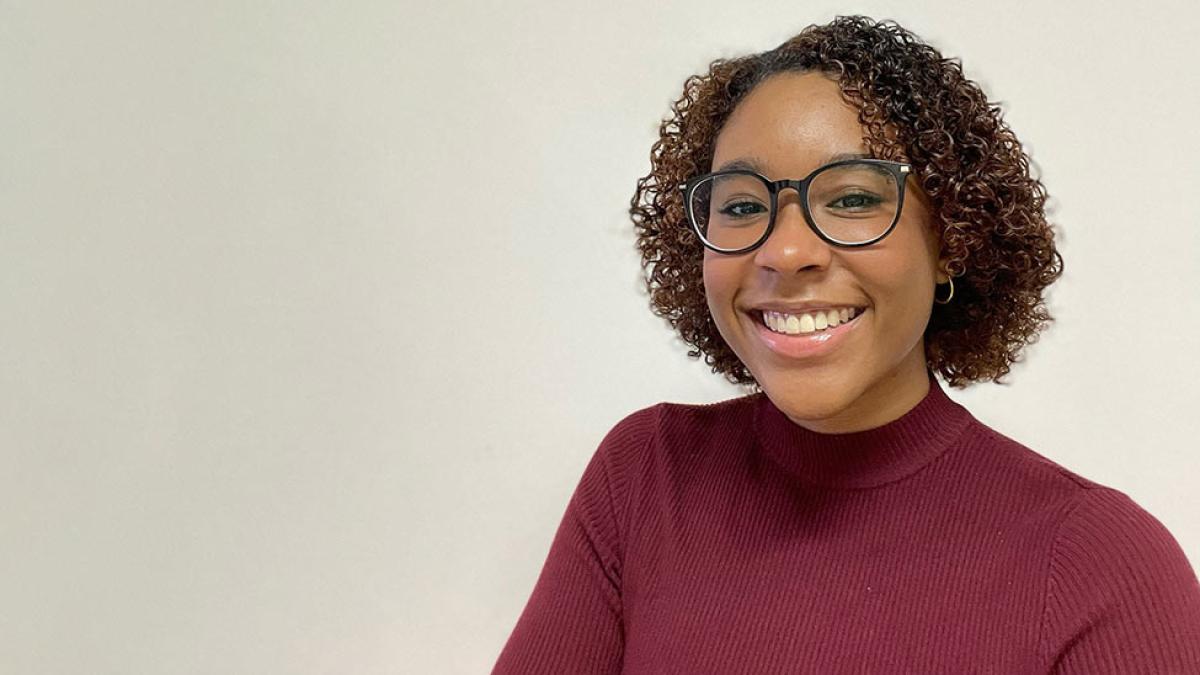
<point>797,336</point>
<point>809,322</point>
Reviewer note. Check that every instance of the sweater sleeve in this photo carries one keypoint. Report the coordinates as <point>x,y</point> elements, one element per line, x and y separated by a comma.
<point>1120,596</point>
<point>573,620</point>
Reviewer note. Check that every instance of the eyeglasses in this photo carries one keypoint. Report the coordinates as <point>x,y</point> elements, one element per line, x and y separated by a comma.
<point>850,203</point>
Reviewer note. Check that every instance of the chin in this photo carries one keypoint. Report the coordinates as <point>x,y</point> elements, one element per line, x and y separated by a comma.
<point>803,397</point>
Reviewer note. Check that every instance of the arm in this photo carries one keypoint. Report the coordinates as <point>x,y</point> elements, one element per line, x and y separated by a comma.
<point>1121,596</point>
<point>572,623</point>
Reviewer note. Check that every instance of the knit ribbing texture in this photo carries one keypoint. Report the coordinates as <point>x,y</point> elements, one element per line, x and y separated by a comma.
<point>726,539</point>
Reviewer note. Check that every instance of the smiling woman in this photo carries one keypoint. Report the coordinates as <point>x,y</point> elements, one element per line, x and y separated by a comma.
<point>873,370</point>
<point>836,222</point>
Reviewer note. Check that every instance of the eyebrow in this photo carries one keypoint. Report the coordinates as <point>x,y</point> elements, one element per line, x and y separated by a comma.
<point>756,165</point>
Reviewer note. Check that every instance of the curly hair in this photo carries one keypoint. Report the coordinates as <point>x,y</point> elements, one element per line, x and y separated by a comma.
<point>913,104</point>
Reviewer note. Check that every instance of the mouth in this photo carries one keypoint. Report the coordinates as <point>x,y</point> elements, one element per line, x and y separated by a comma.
<point>797,336</point>
<point>809,323</point>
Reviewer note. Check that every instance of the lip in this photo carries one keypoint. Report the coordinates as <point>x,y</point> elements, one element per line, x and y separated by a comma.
<point>801,307</point>
<point>806,346</point>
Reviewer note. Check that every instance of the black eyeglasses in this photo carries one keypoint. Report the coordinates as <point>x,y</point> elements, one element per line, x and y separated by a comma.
<point>850,203</point>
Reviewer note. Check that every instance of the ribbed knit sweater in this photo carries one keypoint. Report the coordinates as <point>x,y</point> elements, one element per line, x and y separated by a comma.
<point>725,538</point>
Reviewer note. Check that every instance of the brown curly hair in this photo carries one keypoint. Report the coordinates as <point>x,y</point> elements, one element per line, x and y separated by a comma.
<point>913,105</point>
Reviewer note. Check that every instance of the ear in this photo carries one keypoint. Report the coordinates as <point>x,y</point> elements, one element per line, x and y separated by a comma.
<point>942,275</point>
<point>935,247</point>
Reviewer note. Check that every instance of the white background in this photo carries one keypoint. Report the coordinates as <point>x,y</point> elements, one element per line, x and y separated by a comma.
<point>313,313</point>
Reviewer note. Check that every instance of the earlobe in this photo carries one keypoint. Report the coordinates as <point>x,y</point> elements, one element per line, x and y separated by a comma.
<point>943,275</point>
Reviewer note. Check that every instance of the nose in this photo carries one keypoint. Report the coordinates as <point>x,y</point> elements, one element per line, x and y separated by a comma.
<point>793,245</point>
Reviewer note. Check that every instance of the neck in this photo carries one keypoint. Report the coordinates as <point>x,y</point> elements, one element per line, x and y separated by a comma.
<point>868,457</point>
<point>889,399</point>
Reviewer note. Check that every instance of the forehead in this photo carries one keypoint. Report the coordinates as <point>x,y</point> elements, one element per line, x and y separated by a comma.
<point>790,124</point>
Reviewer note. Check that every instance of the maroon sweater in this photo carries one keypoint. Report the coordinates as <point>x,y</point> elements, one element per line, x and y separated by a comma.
<point>724,538</point>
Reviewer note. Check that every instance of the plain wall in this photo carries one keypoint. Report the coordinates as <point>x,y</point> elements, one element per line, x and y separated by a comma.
<point>313,313</point>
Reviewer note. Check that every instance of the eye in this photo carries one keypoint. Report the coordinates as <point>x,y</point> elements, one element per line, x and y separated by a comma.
<point>859,200</point>
<point>742,209</point>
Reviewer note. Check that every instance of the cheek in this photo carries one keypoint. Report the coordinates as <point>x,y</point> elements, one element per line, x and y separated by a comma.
<point>716,277</point>
<point>712,287</point>
<point>720,286</point>
<point>896,284</point>
<point>909,297</point>
<point>903,270</point>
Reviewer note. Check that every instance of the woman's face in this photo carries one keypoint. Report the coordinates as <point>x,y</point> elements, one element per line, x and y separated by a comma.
<point>872,370</point>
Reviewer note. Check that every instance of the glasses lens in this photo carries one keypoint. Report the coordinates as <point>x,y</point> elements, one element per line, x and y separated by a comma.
<point>731,211</point>
<point>853,203</point>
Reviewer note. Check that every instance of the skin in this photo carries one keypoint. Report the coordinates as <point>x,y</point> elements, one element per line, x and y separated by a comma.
<point>791,123</point>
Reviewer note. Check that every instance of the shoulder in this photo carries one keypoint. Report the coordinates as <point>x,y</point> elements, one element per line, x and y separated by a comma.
<point>1096,530</point>
<point>1112,535</point>
<point>1030,464</point>
<point>632,432</point>
<point>667,433</point>
<point>666,420</point>
<point>1118,586</point>
<point>703,419</point>
<point>1018,479</point>
<point>1110,552</point>
<point>675,417</point>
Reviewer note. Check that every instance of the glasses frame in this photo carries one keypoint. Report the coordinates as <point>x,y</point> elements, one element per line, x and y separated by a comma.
<point>899,170</point>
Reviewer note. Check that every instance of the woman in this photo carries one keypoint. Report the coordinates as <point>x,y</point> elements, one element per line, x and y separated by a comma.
<point>835,222</point>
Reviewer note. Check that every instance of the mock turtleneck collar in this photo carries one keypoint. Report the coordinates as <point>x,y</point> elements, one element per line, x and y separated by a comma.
<point>861,459</point>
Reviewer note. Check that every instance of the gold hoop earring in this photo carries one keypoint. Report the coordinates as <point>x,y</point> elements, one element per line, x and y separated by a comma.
<point>947,300</point>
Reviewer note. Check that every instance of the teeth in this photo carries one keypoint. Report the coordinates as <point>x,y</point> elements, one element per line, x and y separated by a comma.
<point>808,322</point>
